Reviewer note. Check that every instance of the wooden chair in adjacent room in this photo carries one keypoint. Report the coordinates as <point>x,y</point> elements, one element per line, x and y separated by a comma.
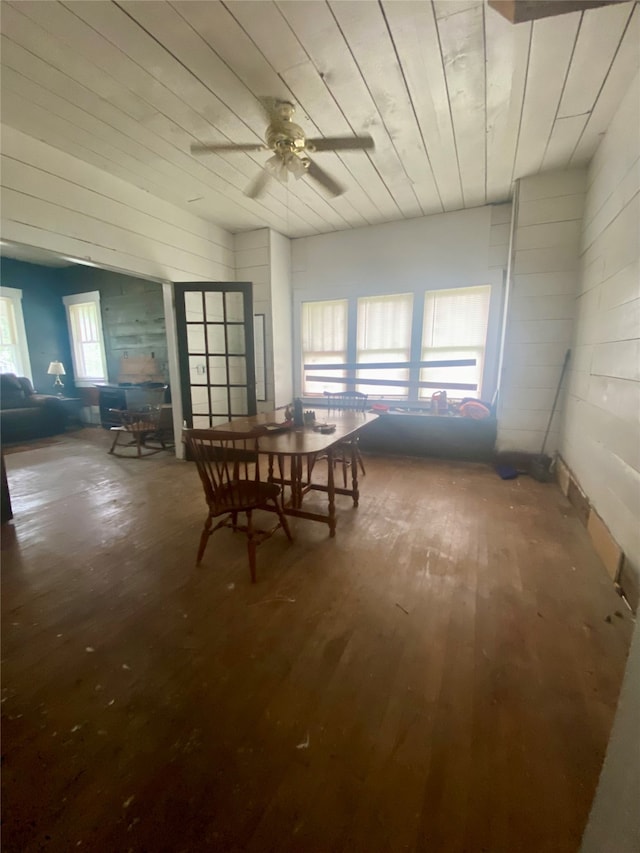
<point>228,464</point>
<point>137,423</point>
<point>347,401</point>
<point>139,430</point>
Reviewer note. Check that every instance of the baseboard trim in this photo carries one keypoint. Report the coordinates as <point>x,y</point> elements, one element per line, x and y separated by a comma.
<point>608,549</point>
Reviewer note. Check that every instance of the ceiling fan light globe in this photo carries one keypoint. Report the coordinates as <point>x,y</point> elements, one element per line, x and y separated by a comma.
<point>297,166</point>
<point>277,168</point>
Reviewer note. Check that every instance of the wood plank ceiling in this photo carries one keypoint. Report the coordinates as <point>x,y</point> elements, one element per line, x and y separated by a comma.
<point>459,101</point>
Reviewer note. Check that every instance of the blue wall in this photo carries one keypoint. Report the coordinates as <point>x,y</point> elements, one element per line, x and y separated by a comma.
<point>45,319</point>
<point>132,317</point>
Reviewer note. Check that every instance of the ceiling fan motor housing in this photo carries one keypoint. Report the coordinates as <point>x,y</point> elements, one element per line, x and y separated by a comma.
<point>285,136</point>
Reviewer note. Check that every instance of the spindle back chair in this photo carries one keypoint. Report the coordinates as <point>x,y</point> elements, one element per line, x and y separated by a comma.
<point>347,401</point>
<point>228,464</point>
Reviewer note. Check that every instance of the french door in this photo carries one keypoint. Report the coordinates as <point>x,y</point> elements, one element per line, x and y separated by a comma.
<point>215,351</point>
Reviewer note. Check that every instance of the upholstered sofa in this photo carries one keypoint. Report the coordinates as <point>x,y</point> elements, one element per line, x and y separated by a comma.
<point>25,414</point>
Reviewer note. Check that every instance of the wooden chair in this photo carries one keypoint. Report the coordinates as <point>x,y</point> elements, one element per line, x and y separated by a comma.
<point>347,401</point>
<point>137,429</point>
<point>228,464</point>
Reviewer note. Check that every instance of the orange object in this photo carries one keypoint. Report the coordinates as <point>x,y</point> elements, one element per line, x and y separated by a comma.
<point>474,409</point>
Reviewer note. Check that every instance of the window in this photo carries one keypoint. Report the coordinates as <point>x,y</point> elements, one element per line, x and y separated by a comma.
<point>366,331</point>
<point>324,341</point>
<point>85,333</point>
<point>455,326</point>
<point>14,352</point>
<point>384,334</point>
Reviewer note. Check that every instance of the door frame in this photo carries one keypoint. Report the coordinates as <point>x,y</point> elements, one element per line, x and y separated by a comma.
<point>245,288</point>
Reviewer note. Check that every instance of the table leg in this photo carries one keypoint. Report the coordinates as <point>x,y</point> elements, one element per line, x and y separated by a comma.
<point>331,494</point>
<point>354,473</point>
<point>293,473</point>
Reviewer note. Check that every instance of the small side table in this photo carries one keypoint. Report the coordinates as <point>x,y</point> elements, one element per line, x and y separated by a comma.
<point>72,406</point>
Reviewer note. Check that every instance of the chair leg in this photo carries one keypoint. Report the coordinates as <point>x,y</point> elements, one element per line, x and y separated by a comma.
<point>251,547</point>
<point>206,533</point>
<point>115,441</point>
<point>360,462</point>
<point>283,520</point>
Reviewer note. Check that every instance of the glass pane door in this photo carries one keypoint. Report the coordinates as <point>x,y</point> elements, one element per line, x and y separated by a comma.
<point>215,342</point>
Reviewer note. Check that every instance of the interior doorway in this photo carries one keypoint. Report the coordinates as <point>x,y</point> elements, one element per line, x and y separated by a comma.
<point>137,323</point>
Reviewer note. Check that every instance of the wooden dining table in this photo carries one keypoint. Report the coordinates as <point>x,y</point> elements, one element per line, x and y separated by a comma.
<point>302,447</point>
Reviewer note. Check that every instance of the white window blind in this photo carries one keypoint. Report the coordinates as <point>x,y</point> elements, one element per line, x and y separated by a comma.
<point>9,353</point>
<point>14,352</point>
<point>324,341</point>
<point>384,335</point>
<point>455,326</point>
<point>85,330</point>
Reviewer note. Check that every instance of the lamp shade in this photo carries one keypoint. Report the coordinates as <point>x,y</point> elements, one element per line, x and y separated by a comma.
<point>56,368</point>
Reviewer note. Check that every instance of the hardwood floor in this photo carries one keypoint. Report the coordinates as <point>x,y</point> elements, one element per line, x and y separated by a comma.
<point>442,676</point>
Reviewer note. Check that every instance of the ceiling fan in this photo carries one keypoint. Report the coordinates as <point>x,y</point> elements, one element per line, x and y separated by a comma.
<point>291,150</point>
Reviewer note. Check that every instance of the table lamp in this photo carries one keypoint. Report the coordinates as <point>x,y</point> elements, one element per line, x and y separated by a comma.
<point>56,368</point>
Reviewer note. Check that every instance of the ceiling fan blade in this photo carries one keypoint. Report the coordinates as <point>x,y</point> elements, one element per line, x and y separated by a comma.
<point>258,184</point>
<point>341,143</point>
<point>314,171</point>
<point>204,147</point>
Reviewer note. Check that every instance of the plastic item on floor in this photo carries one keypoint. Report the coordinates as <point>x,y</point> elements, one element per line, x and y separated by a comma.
<point>507,472</point>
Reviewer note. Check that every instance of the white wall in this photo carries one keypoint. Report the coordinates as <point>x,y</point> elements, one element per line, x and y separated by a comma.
<point>541,307</point>
<point>54,201</point>
<point>253,263</point>
<point>601,436</point>
<point>264,258</point>
<point>282,318</point>
<point>614,822</point>
<point>428,253</point>
<point>499,235</point>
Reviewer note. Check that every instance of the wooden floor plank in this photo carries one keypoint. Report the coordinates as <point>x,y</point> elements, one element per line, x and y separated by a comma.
<point>441,676</point>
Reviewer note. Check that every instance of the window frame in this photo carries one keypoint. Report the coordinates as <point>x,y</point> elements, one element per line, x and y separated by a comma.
<point>14,294</point>
<point>495,281</point>
<point>403,392</point>
<point>434,353</point>
<point>92,296</point>
<point>303,358</point>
